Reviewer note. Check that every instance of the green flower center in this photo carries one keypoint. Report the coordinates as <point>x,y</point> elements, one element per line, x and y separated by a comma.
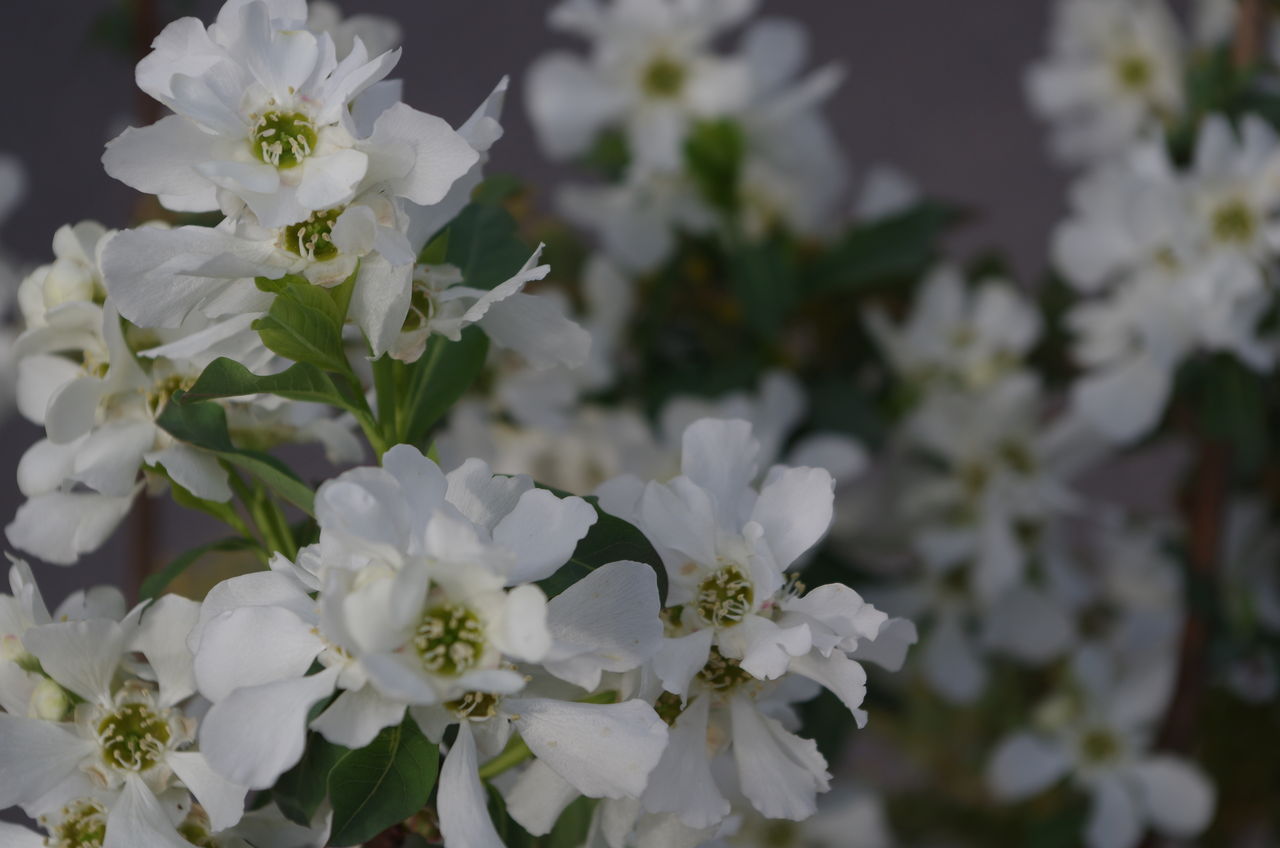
<point>449,640</point>
<point>722,674</point>
<point>725,597</point>
<point>1099,746</point>
<point>83,825</point>
<point>1234,222</point>
<point>133,738</point>
<point>664,77</point>
<point>283,139</point>
<point>1134,72</point>
<point>474,705</point>
<point>312,239</point>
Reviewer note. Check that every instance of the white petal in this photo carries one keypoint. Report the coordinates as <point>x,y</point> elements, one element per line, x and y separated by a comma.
<point>232,655</point>
<point>721,457</point>
<point>258,733</point>
<point>764,649</point>
<point>73,409</point>
<point>1024,765</point>
<point>889,649</point>
<point>437,155</point>
<point>16,836</point>
<point>794,508</point>
<point>779,772</point>
<point>607,621</point>
<point>329,179</point>
<point>683,782</point>
<point>356,717</point>
<point>679,516</point>
<point>523,633</point>
<point>161,158</point>
<point>538,797</point>
<point>538,329</point>
<point>195,470</point>
<point>262,588</point>
<point>45,466</point>
<point>952,664</point>
<point>1126,401</point>
<point>543,531</point>
<point>35,756</point>
<point>162,638</point>
<point>603,750</point>
<point>463,805</point>
<point>380,300</point>
<point>678,660</point>
<point>1028,624</point>
<point>846,678</point>
<point>221,799</point>
<point>60,526</point>
<point>569,103</point>
<point>80,655</point>
<point>1178,797</point>
<point>138,820</point>
<point>40,376</point>
<point>1113,817</point>
<point>109,459</point>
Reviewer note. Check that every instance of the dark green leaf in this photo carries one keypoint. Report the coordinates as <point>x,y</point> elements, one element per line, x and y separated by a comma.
<point>436,381</point>
<point>304,324</point>
<point>610,539</point>
<point>571,828</point>
<point>381,784</point>
<point>225,378</point>
<point>204,425</point>
<point>301,790</point>
<point>764,281</point>
<point>484,245</point>
<point>156,583</point>
<point>884,253</point>
<point>609,156</point>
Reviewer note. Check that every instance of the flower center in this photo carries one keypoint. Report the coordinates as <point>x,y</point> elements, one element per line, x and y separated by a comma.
<point>664,77</point>
<point>449,639</point>
<point>722,674</point>
<point>1099,746</point>
<point>133,738</point>
<point>197,830</point>
<point>474,705</point>
<point>162,390</point>
<point>83,825</point>
<point>725,597</point>
<point>283,139</point>
<point>312,239</point>
<point>1233,222</point>
<point>1133,72</point>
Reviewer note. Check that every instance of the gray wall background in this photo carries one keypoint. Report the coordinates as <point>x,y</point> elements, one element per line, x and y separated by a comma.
<point>933,87</point>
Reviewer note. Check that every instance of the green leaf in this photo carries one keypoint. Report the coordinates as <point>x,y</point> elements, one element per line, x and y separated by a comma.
<point>156,583</point>
<point>381,784</point>
<point>439,378</point>
<point>610,539</point>
<point>763,278</point>
<point>498,188</point>
<point>484,245</point>
<point>570,830</point>
<point>301,790</point>
<point>204,425</point>
<point>304,324</point>
<point>884,253</point>
<point>714,152</point>
<point>609,156</point>
<point>225,378</point>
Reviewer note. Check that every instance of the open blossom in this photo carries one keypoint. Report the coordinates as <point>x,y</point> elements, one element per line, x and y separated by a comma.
<point>107,746</point>
<point>1181,263</point>
<point>651,74</point>
<point>264,119</point>
<point>1099,734</point>
<point>427,607</point>
<point>741,633</point>
<point>442,304</point>
<point>1114,72</point>
<point>957,336</point>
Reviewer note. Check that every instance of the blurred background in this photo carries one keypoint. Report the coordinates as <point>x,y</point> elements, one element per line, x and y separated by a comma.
<point>933,89</point>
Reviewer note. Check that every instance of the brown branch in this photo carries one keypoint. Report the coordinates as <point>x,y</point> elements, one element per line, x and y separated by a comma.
<point>1251,33</point>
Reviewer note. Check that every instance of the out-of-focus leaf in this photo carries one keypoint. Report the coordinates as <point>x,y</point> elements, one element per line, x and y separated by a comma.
<point>382,784</point>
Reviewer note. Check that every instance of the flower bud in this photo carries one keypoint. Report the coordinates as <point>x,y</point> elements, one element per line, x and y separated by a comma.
<point>49,701</point>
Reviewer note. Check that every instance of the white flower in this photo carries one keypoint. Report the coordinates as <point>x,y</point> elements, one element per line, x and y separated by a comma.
<point>1114,72</point>
<point>264,119</point>
<point>739,632</point>
<point>378,34</point>
<point>1100,735</point>
<point>844,820</point>
<point>425,605</point>
<point>957,336</point>
<point>651,74</point>
<point>443,304</point>
<point>122,753</point>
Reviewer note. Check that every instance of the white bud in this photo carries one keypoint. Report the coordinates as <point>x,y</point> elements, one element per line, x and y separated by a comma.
<point>49,701</point>
<point>68,281</point>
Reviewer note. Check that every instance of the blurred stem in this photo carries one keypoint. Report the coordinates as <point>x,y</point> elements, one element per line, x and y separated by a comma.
<point>1205,501</point>
<point>1251,33</point>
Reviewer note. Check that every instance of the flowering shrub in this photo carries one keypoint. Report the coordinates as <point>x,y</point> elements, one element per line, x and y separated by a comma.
<point>636,519</point>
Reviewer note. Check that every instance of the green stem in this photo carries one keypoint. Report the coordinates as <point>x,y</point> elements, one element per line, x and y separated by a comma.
<point>511,756</point>
<point>384,382</point>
